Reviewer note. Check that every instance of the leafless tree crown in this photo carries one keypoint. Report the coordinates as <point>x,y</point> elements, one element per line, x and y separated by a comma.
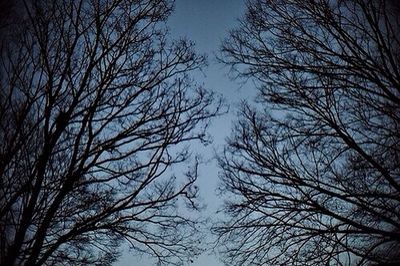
<point>96,104</point>
<point>312,171</point>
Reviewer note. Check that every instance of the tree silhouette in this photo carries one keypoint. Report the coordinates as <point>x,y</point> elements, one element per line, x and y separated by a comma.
<point>96,106</point>
<point>312,172</point>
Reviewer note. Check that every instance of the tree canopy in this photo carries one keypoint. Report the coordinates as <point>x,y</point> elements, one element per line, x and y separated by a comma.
<point>96,105</point>
<point>311,172</point>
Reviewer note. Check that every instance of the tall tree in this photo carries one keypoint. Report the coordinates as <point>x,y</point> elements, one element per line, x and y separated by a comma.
<point>95,107</point>
<point>311,172</point>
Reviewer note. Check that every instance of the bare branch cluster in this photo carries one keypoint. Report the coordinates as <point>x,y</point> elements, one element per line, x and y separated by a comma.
<point>95,106</point>
<point>313,171</point>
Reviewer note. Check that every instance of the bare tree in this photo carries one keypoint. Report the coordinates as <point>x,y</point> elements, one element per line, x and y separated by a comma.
<point>96,106</point>
<point>312,171</point>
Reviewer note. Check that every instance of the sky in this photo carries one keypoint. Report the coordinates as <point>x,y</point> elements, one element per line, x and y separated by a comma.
<point>207,23</point>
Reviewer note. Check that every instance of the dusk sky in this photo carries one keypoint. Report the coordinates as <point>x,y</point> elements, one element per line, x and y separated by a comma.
<point>199,132</point>
<point>207,23</point>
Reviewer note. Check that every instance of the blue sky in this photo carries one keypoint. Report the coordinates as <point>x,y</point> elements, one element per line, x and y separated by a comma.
<point>207,22</point>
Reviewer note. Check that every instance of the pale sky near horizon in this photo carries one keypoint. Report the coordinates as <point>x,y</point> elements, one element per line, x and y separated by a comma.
<point>207,22</point>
